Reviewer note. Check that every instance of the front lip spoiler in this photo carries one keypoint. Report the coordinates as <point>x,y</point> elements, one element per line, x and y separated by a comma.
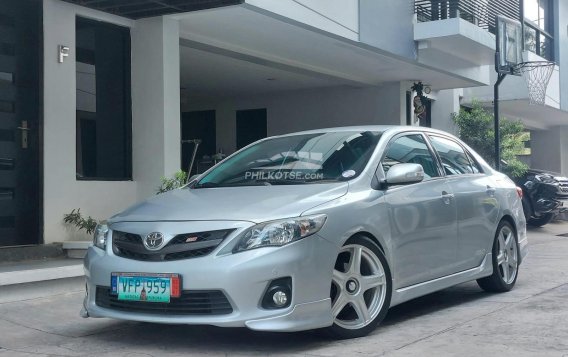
<point>84,313</point>
<point>301,317</point>
<point>312,315</point>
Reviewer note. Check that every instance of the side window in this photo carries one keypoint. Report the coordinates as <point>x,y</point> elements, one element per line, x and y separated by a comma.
<point>474,164</point>
<point>410,149</point>
<point>454,159</point>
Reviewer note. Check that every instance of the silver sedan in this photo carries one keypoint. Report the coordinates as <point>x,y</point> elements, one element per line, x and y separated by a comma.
<point>319,229</point>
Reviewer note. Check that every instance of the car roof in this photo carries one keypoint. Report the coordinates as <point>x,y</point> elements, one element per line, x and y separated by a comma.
<point>376,128</point>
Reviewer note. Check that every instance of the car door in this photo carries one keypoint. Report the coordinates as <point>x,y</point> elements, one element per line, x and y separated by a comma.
<point>422,215</point>
<point>474,193</point>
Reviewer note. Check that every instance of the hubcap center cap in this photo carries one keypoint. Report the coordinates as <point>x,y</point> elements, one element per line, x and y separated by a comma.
<point>352,286</point>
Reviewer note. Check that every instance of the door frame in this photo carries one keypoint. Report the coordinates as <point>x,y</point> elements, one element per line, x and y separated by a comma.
<point>40,128</point>
<point>40,169</point>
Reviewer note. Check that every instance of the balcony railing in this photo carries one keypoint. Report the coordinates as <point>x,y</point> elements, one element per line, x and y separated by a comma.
<point>479,12</point>
<point>483,14</point>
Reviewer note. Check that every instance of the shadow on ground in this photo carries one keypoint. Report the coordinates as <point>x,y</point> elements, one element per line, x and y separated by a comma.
<point>195,339</point>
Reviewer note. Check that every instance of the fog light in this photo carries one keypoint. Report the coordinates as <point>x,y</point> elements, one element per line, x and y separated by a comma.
<point>278,294</point>
<point>280,298</point>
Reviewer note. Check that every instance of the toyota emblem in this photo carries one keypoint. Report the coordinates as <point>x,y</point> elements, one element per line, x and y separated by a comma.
<point>154,241</point>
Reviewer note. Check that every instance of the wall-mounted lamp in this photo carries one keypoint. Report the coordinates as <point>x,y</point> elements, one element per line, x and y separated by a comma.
<point>62,52</point>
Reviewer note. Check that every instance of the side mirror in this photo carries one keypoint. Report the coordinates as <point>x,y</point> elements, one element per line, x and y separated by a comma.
<point>404,174</point>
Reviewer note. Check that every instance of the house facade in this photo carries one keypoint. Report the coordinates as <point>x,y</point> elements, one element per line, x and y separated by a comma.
<point>99,99</point>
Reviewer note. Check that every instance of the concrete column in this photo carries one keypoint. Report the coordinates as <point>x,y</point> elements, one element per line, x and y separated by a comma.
<point>155,102</point>
<point>446,104</point>
<point>563,150</point>
<point>560,8</point>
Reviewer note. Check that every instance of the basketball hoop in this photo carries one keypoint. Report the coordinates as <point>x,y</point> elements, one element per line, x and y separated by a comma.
<point>537,74</point>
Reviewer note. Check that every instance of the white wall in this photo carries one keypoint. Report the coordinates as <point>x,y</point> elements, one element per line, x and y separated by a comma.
<point>388,25</point>
<point>155,118</point>
<point>310,109</point>
<point>62,192</point>
<point>340,17</point>
<point>549,149</point>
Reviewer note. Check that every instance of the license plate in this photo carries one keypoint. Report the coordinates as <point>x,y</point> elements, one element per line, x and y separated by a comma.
<point>145,286</point>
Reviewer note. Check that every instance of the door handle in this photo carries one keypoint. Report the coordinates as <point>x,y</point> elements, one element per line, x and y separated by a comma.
<point>447,197</point>
<point>24,129</point>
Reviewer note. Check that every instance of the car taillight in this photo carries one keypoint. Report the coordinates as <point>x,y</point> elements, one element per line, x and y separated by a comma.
<point>519,192</point>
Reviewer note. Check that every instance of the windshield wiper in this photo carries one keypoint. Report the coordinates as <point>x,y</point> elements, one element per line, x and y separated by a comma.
<point>284,182</point>
<point>297,182</point>
<point>206,185</point>
<point>232,184</point>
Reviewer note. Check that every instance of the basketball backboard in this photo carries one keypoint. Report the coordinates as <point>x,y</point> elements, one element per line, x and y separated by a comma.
<point>509,45</point>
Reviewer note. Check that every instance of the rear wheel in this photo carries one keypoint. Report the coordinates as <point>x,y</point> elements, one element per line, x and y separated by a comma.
<point>505,261</point>
<point>360,290</point>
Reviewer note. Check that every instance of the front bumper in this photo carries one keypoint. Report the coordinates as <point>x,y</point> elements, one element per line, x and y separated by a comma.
<point>242,277</point>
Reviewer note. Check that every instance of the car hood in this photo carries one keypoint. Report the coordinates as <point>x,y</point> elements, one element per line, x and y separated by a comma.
<point>538,171</point>
<point>250,203</point>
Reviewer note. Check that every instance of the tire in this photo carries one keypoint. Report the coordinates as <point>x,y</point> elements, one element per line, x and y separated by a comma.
<point>505,259</point>
<point>361,289</point>
<point>542,220</point>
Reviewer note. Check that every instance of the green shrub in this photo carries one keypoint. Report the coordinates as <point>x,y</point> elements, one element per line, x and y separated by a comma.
<point>476,128</point>
<point>171,183</point>
<point>76,219</point>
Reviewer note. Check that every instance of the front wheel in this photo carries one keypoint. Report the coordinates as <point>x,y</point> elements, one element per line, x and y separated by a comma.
<point>505,261</point>
<point>360,290</point>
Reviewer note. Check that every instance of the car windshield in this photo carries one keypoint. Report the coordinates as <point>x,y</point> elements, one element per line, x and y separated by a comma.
<point>296,159</point>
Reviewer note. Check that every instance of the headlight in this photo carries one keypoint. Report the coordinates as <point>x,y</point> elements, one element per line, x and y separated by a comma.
<point>279,233</point>
<point>100,236</point>
<point>545,178</point>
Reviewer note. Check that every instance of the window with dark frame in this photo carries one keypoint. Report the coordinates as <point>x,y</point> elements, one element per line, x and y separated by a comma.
<point>539,27</point>
<point>251,126</point>
<point>103,112</point>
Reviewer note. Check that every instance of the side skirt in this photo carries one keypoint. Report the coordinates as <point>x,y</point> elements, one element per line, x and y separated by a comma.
<point>411,292</point>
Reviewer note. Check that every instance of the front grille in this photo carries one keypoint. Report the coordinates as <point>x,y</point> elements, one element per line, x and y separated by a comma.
<point>564,186</point>
<point>182,246</point>
<point>191,302</point>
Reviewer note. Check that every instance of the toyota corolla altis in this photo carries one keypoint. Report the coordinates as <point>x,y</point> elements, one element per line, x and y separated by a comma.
<point>319,229</point>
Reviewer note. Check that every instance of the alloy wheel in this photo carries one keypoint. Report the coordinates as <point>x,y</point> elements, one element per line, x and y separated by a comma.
<point>359,287</point>
<point>507,257</point>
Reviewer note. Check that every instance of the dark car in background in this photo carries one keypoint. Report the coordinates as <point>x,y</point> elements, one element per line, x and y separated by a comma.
<point>545,195</point>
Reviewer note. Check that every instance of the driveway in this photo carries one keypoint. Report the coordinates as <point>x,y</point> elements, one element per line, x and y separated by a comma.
<point>531,320</point>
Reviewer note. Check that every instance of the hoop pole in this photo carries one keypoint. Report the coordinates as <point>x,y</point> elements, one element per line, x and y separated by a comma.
<point>500,78</point>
